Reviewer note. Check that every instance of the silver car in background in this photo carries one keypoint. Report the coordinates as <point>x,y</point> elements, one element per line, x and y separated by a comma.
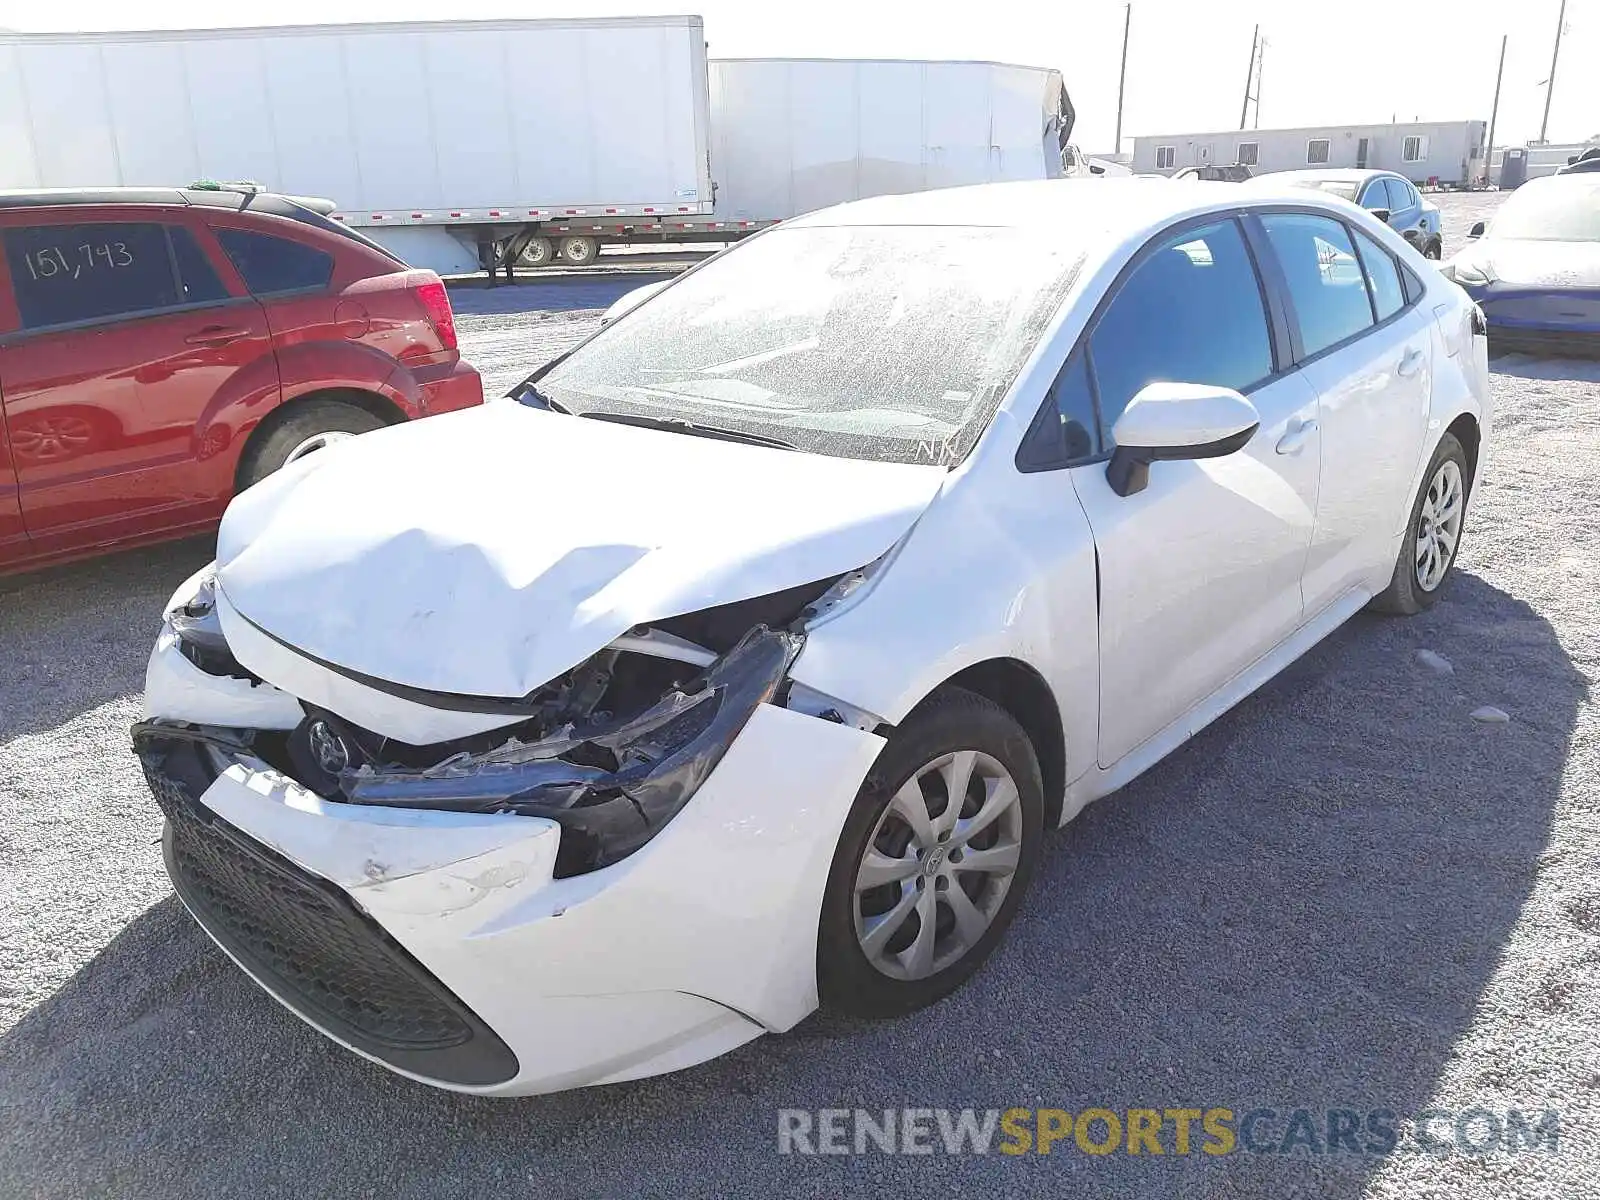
<point>1392,198</point>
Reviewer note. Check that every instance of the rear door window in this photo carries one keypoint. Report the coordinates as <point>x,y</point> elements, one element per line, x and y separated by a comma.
<point>1325,281</point>
<point>1191,312</point>
<point>1383,277</point>
<point>273,265</point>
<point>67,274</point>
<point>196,276</point>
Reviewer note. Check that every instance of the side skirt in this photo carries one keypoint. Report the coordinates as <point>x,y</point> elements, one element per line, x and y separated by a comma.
<point>1095,783</point>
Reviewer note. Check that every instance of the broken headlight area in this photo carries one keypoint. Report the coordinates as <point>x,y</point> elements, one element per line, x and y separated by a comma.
<point>621,744</point>
<point>611,750</point>
<point>199,632</point>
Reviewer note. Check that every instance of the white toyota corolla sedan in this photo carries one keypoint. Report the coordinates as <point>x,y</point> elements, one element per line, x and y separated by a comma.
<point>739,663</point>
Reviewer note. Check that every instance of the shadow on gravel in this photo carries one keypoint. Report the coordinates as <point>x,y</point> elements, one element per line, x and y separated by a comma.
<point>73,637</point>
<point>1525,366</point>
<point>557,295</point>
<point>1300,909</point>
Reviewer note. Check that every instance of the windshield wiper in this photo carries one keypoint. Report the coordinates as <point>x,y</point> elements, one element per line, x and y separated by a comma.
<point>680,425</point>
<point>527,393</point>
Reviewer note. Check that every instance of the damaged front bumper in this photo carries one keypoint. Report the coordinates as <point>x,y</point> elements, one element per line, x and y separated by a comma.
<point>430,920</point>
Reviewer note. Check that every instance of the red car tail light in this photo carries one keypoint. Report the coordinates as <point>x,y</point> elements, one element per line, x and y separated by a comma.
<point>435,302</point>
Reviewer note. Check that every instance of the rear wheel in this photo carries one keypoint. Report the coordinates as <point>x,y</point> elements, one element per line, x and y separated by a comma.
<point>312,426</point>
<point>579,251</point>
<point>933,861</point>
<point>539,252</point>
<point>1434,249</point>
<point>1428,550</point>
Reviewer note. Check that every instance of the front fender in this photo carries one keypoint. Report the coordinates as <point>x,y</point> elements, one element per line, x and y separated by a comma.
<point>1003,569</point>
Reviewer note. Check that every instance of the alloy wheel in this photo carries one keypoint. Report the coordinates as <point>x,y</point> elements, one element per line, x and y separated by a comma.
<point>1439,525</point>
<point>938,865</point>
<point>315,442</point>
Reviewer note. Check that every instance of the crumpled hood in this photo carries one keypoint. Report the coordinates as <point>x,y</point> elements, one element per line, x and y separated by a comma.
<point>486,552</point>
<point>1529,264</point>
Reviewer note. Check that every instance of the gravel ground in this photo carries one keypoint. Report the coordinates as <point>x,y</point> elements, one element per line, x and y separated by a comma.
<point>1345,894</point>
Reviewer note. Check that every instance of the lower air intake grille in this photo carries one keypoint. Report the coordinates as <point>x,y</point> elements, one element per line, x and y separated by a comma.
<point>307,942</point>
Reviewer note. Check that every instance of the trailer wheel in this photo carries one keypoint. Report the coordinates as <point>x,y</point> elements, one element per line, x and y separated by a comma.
<point>579,251</point>
<point>539,252</point>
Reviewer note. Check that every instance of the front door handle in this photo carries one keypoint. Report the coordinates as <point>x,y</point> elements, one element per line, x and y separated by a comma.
<point>216,335</point>
<point>1295,440</point>
<point>1410,363</point>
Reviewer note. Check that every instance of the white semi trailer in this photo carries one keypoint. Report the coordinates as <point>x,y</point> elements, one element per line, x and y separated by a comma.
<point>462,145</point>
<point>432,137</point>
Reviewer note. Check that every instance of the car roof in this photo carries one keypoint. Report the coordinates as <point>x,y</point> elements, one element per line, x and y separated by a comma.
<point>1070,211</point>
<point>232,198</point>
<point>1577,182</point>
<point>1336,174</point>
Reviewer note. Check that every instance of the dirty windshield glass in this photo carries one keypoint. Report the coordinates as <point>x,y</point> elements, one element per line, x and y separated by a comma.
<point>1564,209</point>
<point>887,343</point>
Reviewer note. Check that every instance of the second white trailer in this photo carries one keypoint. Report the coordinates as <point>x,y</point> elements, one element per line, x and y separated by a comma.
<point>793,135</point>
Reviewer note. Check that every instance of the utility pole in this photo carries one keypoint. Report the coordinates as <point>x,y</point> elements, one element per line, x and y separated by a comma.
<point>1494,113</point>
<point>1250,73</point>
<point>1261,58</point>
<point>1550,84</point>
<point>1122,77</point>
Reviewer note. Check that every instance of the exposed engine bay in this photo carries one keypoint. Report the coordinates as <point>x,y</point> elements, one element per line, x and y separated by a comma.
<point>611,749</point>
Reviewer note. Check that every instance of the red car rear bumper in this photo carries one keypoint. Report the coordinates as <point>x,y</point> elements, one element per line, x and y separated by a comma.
<point>448,387</point>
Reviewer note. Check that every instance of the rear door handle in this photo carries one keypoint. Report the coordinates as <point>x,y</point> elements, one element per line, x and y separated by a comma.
<point>1410,363</point>
<point>1295,440</point>
<point>216,335</point>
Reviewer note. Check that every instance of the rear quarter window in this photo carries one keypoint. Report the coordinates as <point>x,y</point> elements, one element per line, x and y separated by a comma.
<point>271,265</point>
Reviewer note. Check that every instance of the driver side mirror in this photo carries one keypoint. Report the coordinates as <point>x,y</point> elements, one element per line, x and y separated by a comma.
<point>1172,421</point>
<point>1476,231</point>
<point>1381,213</point>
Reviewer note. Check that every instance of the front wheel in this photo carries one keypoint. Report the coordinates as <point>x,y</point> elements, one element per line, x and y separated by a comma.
<point>1428,550</point>
<point>934,859</point>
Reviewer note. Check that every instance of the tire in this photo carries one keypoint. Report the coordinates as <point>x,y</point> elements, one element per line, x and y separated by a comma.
<point>579,251</point>
<point>1434,250</point>
<point>539,252</point>
<point>298,433</point>
<point>950,726</point>
<point>1415,586</point>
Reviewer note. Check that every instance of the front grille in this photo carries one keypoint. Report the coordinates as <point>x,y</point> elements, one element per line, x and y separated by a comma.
<point>306,940</point>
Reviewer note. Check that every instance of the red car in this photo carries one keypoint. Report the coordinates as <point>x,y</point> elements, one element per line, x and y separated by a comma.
<point>162,349</point>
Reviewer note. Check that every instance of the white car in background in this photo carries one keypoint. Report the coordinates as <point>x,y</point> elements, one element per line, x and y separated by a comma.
<point>743,665</point>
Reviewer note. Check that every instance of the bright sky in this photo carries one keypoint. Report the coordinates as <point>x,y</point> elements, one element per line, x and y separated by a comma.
<point>1353,61</point>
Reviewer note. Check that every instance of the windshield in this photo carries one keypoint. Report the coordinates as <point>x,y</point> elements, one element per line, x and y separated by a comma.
<point>890,343</point>
<point>1563,208</point>
<point>1339,187</point>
